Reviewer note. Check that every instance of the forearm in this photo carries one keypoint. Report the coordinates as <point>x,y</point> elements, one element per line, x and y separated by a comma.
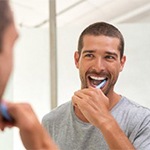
<point>114,136</point>
<point>37,139</point>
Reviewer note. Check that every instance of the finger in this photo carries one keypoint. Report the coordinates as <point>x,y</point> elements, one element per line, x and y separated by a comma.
<point>83,103</point>
<point>93,100</point>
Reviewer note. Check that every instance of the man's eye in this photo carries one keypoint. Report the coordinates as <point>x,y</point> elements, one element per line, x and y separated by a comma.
<point>89,55</point>
<point>110,57</point>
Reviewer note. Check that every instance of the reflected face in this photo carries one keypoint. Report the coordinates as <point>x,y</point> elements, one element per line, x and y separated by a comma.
<point>6,55</point>
<point>99,60</point>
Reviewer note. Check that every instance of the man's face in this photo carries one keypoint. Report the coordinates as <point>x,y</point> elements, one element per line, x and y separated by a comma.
<point>99,60</point>
<point>6,55</point>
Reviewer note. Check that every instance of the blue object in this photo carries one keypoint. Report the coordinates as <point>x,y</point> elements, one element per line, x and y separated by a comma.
<point>4,112</point>
<point>101,84</point>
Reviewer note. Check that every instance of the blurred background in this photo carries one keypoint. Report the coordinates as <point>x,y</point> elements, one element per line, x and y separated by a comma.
<point>44,72</point>
<point>81,12</point>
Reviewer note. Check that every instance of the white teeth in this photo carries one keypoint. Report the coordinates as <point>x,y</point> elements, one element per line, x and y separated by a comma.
<point>97,78</point>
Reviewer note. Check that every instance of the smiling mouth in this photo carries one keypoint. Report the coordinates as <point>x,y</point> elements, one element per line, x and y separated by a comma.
<point>95,81</point>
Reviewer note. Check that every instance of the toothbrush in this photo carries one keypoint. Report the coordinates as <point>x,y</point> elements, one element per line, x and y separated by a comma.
<point>101,84</point>
<point>4,113</point>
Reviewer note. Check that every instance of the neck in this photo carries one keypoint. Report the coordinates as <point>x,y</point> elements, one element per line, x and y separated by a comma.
<point>114,98</point>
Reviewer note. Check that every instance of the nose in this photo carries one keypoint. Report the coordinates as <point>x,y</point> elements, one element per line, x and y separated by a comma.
<point>98,64</point>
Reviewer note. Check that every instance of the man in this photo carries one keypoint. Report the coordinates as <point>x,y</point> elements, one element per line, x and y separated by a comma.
<point>99,119</point>
<point>32,133</point>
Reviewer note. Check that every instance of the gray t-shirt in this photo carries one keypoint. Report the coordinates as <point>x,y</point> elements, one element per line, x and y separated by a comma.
<point>70,133</point>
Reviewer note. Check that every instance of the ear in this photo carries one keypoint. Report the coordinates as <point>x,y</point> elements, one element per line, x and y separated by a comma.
<point>122,63</point>
<point>76,58</point>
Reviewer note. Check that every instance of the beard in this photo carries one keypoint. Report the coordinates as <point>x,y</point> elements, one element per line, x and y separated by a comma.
<point>83,82</point>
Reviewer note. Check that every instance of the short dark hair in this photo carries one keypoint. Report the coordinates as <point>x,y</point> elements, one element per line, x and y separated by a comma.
<point>5,18</point>
<point>102,28</point>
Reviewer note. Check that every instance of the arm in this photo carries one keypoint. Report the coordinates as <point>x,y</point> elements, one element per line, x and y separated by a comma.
<point>94,106</point>
<point>114,136</point>
<point>32,133</point>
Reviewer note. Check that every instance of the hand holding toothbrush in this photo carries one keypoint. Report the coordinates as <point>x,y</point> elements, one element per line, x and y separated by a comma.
<point>92,103</point>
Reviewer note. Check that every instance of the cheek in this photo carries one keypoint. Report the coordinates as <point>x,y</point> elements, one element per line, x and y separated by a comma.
<point>82,71</point>
<point>7,63</point>
<point>83,68</point>
<point>113,70</point>
<point>116,74</point>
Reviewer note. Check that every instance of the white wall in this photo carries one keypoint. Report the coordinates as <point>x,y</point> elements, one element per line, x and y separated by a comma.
<point>31,80</point>
<point>32,77</point>
<point>134,81</point>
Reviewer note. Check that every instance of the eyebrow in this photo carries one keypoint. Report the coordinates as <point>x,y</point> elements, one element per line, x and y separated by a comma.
<point>107,52</point>
<point>88,51</point>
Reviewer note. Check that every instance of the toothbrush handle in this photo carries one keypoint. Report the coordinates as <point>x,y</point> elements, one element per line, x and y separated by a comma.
<point>101,84</point>
<point>4,113</point>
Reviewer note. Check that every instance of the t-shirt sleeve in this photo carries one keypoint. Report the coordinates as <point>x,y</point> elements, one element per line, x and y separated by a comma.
<point>142,139</point>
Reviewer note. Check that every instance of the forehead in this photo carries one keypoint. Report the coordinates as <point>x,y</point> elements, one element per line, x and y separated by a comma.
<point>99,42</point>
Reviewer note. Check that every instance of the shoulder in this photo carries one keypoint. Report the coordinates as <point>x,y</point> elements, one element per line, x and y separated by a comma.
<point>139,122</point>
<point>138,111</point>
<point>130,110</point>
<point>57,113</point>
<point>135,106</point>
